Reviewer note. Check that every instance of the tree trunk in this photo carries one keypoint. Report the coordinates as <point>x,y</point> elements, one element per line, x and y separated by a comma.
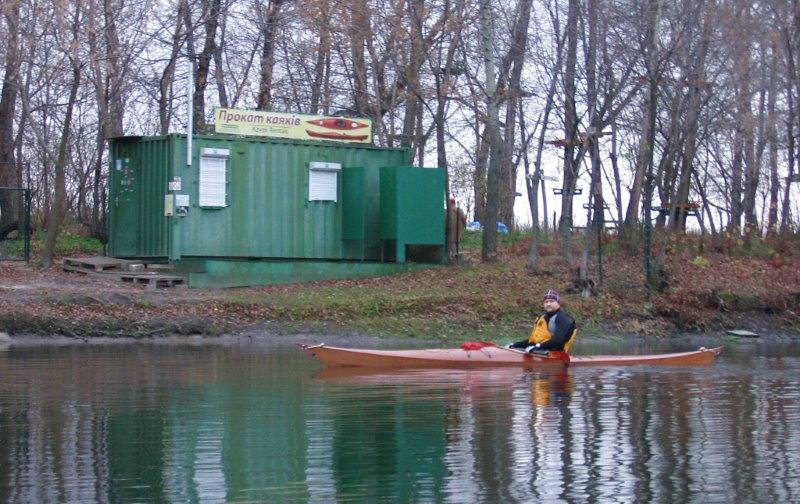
<point>322,56</point>
<point>516,54</point>
<point>411,76</point>
<point>772,137</point>
<point>269,26</point>
<point>786,209</point>
<point>791,43</point>
<point>592,137</point>
<point>745,125</point>
<point>442,79</point>
<point>696,85</point>
<point>571,162</point>
<point>8,100</point>
<point>107,70</point>
<point>114,72</point>
<point>168,75</point>
<point>489,248</point>
<point>666,175</point>
<point>219,69</point>
<point>211,9</point>
<point>533,182</point>
<point>532,186</point>
<point>615,171</point>
<point>644,158</point>
<point>58,208</point>
<point>479,175</point>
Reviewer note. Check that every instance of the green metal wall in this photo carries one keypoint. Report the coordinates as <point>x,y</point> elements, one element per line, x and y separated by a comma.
<point>411,207</point>
<point>138,176</point>
<point>268,213</point>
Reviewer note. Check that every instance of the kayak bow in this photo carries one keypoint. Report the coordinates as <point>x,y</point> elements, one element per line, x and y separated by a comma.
<point>494,357</point>
<point>696,357</point>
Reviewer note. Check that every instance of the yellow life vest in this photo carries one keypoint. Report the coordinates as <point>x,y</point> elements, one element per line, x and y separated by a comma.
<point>541,334</point>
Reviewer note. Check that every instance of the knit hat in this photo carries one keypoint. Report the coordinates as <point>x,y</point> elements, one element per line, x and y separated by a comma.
<point>552,294</point>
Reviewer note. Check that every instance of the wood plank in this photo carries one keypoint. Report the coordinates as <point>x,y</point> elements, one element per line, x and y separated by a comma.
<point>96,263</point>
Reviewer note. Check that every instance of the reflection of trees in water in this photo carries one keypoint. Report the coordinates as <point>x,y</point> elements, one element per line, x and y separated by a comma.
<point>187,424</point>
<point>141,423</point>
<point>638,436</point>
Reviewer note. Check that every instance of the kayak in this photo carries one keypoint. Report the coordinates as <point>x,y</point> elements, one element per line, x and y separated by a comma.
<point>492,356</point>
<point>431,357</point>
<point>337,123</point>
<point>333,135</point>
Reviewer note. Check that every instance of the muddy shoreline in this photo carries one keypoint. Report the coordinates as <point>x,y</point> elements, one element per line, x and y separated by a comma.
<point>440,307</point>
<point>270,335</point>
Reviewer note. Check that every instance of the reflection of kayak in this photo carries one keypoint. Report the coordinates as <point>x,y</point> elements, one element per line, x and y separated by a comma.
<point>338,123</point>
<point>333,135</point>
<point>448,377</point>
<point>493,357</point>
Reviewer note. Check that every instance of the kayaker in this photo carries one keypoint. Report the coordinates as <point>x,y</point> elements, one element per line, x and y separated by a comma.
<point>554,329</point>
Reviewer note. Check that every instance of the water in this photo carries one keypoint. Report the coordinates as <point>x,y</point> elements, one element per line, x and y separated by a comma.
<point>250,423</point>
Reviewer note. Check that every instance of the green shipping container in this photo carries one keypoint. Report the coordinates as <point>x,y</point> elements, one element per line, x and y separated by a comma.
<point>251,198</point>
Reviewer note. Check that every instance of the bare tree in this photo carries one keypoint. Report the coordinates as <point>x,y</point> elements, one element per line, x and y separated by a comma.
<point>268,18</point>
<point>8,98</point>
<point>489,246</point>
<point>534,180</point>
<point>58,208</point>
<point>571,160</point>
<point>167,77</point>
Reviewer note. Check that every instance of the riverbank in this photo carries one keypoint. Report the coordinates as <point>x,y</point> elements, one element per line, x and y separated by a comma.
<point>448,304</point>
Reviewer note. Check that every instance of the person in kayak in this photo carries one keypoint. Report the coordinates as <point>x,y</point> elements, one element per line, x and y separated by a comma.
<point>554,330</point>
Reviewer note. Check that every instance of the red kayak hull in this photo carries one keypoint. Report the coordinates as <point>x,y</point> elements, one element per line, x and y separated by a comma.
<point>695,357</point>
<point>438,358</point>
<point>337,123</point>
<point>332,135</point>
<point>494,357</point>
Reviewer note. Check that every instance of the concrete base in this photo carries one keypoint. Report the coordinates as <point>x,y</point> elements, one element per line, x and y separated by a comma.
<point>243,273</point>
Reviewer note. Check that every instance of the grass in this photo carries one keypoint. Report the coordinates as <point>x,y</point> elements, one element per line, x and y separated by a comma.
<point>479,301</point>
<point>474,239</point>
<point>67,244</point>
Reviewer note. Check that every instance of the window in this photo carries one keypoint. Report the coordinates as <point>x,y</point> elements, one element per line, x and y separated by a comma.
<point>323,181</point>
<point>213,178</point>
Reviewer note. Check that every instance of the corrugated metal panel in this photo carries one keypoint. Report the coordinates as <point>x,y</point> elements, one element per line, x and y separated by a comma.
<point>412,207</point>
<point>268,213</point>
<point>138,176</point>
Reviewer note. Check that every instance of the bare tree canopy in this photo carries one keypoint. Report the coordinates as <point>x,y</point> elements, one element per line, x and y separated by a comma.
<point>682,114</point>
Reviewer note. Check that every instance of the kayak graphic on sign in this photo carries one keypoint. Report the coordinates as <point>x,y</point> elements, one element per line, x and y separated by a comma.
<point>335,127</point>
<point>295,126</point>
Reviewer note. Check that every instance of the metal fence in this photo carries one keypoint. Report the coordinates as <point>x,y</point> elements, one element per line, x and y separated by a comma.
<point>15,224</point>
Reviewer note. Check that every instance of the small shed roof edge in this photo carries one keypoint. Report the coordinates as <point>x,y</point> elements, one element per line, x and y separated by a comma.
<point>260,139</point>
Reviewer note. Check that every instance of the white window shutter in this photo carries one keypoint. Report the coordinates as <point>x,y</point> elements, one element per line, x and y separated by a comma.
<point>212,181</point>
<point>323,181</point>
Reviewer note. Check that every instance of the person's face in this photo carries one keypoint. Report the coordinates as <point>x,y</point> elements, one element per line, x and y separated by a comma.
<point>551,305</point>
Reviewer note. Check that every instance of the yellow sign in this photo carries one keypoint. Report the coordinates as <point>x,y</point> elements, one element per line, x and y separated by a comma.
<point>295,126</point>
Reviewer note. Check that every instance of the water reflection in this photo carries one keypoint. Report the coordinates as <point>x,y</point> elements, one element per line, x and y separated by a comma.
<point>248,424</point>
